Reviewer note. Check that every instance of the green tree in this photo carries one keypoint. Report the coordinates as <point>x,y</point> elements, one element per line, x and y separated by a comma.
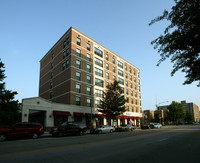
<point>181,39</point>
<point>9,108</point>
<point>113,102</point>
<point>175,112</point>
<point>188,117</point>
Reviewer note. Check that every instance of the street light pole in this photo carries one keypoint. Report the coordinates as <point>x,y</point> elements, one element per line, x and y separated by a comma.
<point>158,108</point>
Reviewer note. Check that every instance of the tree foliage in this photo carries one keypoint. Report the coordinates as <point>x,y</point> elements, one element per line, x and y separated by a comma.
<point>9,108</point>
<point>188,117</point>
<point>181,39</point>
<point>113,102</point>
<point>175,112</point>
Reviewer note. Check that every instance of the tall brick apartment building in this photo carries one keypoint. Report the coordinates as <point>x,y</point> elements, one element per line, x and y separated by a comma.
<point>76,71</point>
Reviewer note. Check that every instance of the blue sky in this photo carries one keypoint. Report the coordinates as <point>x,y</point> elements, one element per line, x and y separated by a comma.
<point>29,28</point>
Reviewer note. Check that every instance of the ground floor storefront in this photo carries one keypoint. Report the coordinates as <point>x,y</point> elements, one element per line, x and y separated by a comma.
<point>51,114</point>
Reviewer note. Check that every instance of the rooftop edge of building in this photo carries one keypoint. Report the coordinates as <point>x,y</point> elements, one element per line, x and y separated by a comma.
<point>72,28</point>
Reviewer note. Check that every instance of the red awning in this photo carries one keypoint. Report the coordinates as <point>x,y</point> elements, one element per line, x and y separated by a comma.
<point>125,117</point>
<point>99,116</point>
<point>61,113</point>
<point>89,115</point>
<point>78,114</point>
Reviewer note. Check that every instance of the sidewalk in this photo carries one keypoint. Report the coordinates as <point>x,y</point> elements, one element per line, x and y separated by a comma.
<point>47,134</point>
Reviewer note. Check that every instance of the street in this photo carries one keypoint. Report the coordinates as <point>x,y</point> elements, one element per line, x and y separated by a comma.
<point>179,144</point>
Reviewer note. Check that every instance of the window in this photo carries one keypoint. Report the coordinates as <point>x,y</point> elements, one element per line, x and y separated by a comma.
<point>121,81</point>
<point>126,76</point>
<point>107,57</point>
<point>135,87</point>
<point>51,75</point>
<point>130,77</point>
<point>88,68</point>
<point>67,51</point>
<point>88,57</point>
<point>130,70</point>
<point>64,54</point>
<point>51,65</point>
<point>63,66</point>
<point>131,85</point>
<point>134,71</point>
<point>67,63</point>
<point>127,83</point>
<point>88,46</point>
<point>107,66</point>
<point>78,100</point>
<point>78,64</point>
<point>125,67</point>
<point>88,90</point>
<point>97,102</point>
<point>98,62</point>
<point>107,84</point>
<point>98,52</point>
<point>78,41</point>
<point>135,94</point>
<point>88,102</point>
<point>113,60</point>
<point>98,72</point>
<point>98,93</point>
<point>51,95</point>
<point>114,77</point>
<point>132,109</point>
<point>78,88</point>
<point>52,56</point>
<point>78,76</point>
<point>127,91</point>
<point>68,40</point>
<point>122,90</point>
<point>134,79</point>
<point>131,101</point>
<point>120,72</point>
<point>88,79</point>
<point>78,52</point>
<point>107,75</point>
<point>113,68</point>
<point>64,44</point>
<point>98,82</point>
<point>131,93</point>
<point>51,84</point>
<point>120,64</point>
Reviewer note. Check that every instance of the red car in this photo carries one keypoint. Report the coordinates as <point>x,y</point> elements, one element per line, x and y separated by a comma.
<point>22,130</point>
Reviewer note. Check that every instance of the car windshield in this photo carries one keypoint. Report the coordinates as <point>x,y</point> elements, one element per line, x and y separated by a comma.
<point>64,124</point>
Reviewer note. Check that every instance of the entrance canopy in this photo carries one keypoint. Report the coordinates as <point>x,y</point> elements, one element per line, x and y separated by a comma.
<point>61,113</point>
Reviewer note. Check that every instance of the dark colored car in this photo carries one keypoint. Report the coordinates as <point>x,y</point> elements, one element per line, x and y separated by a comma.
<point>145,126</point>
<point>127,127</point>
<point>67,128</point>
<point>22,130</point>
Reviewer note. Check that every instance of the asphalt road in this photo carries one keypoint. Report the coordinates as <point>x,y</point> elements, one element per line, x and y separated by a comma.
<point>171,145</point>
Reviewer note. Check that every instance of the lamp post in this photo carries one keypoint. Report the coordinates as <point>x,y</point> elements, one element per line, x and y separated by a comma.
<point>158,108</point>
<point>91,119</point>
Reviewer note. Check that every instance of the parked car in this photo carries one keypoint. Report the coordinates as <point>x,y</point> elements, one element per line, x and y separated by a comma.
<point>22,130</point>
<point>127,127</point>
<point>78,128</point>
<point>146,126</point>
<point>102,129</point>
<point>157,125</point>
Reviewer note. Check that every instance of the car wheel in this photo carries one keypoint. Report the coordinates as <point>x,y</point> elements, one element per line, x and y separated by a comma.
<point>81,133</point>
<point>100,131</point>
<point>60,134</point>
<point>2,137</point>
<point>35,135</point>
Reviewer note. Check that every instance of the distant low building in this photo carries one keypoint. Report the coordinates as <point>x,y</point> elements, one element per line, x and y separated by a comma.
<point>193,109</point>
